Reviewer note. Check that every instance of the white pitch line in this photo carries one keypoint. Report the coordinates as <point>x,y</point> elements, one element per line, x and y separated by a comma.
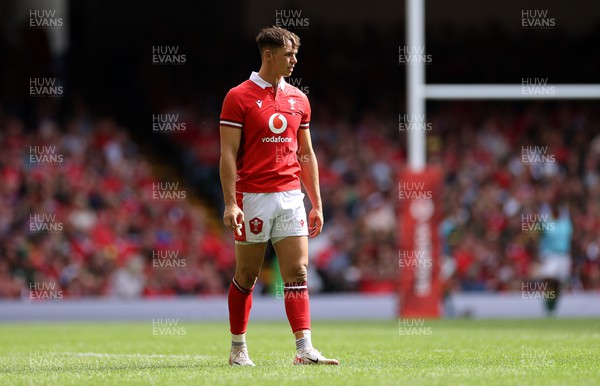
<point>134,355</point>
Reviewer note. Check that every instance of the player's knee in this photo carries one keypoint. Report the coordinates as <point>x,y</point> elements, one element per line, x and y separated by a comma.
<point>297,273</point>
<point>246,277</point>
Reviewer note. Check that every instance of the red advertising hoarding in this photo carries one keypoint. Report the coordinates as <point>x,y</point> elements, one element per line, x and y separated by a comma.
<point>419,194</point>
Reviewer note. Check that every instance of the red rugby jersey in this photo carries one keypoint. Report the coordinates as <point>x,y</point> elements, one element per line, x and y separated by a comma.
<point>266,161</point>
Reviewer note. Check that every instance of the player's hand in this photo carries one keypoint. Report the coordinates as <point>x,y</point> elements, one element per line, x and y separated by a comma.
<point>233,218</point>
<point>315,222</point>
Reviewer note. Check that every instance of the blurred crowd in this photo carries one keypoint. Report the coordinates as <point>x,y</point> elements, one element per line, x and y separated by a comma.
<point>503,164</point>
<point>82,208</point>
<point>81,211</point>
<point>495,185</point>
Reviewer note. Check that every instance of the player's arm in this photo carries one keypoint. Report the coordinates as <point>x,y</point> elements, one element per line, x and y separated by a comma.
<point>309,174</point>
<point>230,144</point>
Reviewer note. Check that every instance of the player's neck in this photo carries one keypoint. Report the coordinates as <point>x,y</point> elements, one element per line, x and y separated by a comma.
<point>270,77</point>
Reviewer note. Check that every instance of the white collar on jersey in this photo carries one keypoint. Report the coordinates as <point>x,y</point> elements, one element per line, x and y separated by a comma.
<point>263,83</point>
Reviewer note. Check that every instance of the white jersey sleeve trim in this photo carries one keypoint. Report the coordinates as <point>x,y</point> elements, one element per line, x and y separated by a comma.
<point>231,123</point>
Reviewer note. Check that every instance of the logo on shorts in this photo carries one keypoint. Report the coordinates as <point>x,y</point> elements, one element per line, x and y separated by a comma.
<point>302,223</point>
<point>277,123</point>
<point>256,225</point>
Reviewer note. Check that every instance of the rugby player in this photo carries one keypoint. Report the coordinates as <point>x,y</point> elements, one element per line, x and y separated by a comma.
<point>266,154</point>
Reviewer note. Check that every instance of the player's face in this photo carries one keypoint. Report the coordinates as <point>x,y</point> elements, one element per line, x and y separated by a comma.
<point>284,59</point>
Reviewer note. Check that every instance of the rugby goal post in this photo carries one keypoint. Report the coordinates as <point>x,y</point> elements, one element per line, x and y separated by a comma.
<point>420,289</point>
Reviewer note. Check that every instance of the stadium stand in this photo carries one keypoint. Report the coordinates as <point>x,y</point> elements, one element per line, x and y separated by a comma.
<point>113,228</point>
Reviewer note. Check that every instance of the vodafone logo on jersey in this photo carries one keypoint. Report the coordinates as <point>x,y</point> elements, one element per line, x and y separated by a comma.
<point>277,123</point>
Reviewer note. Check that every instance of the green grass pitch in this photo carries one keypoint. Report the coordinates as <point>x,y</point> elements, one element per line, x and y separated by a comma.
<point>444,352</point>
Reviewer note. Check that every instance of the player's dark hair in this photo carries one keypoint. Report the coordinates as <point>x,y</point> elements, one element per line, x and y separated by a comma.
<point>276,37</point>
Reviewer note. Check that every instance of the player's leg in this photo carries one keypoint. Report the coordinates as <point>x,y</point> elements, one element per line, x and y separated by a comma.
<point>556,270</point>
<point>250,245</point>
<point>551,288</point>
<point>292,252</point>
<point>248,261</point>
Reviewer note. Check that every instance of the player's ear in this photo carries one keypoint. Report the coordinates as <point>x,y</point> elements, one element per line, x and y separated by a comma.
<point>267,55</point>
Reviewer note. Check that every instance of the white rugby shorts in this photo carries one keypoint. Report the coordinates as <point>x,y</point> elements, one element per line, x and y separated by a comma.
<point>555,266</point>
<point>271,216</point>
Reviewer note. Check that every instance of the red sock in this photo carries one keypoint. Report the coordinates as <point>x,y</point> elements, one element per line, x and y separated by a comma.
<point>240,303</point>
<point>297,305</point>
